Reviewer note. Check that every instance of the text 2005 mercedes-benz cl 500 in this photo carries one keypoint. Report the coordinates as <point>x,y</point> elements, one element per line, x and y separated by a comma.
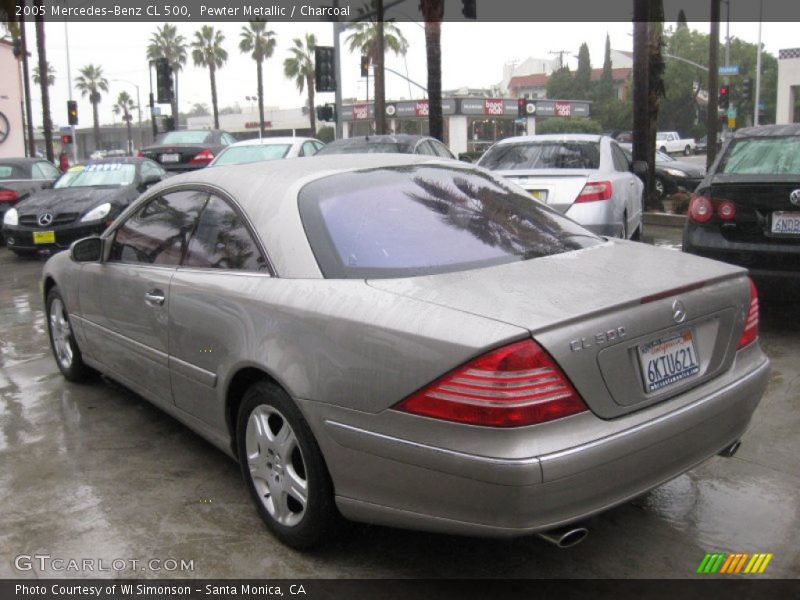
<point>412,342</point>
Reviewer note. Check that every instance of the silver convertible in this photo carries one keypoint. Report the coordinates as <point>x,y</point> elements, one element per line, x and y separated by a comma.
<point>412,342</point>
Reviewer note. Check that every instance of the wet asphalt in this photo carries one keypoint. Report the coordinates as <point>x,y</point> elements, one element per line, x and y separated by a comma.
<point>95,472</point>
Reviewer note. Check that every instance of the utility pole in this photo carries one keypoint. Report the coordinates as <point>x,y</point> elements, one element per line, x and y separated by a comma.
<point>26,85</point>
<point>338,28</point>
<point>756,109</point>
<point>712,120</point>
<point>380,76</point>
<point>641,82</point>
<point>561,54</point>
<point>69,83</point>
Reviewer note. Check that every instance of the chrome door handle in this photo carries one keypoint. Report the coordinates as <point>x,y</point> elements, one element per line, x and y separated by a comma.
<point>154,297</point>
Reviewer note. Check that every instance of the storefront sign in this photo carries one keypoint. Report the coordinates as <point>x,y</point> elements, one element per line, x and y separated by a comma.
<point>360,111</point>
<point>254,124</point>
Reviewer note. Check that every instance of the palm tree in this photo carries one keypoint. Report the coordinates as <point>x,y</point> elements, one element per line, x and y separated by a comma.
<point>433,11</point>
<point>167,43</point>
<point>90,83</point>
<point>207,51</point>
<point>51,75</point>
<point>255,38</point>
<point>366,39</point>
<point>300,67</point>
<point>123,106</point>
<point>47,121</point>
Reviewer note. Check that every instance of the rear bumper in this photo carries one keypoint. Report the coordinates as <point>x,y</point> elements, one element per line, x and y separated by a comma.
<point>395,482</point>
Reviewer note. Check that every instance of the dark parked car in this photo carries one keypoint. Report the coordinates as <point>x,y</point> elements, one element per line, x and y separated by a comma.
<point>189,149</point>
<point>381,144</point>
<point>674,175</point>
<point>21,177</point>
<point>82,202</point>
<point>747,209</point>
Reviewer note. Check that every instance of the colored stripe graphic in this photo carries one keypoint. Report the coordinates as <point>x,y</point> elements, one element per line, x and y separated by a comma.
<point>734,563</point>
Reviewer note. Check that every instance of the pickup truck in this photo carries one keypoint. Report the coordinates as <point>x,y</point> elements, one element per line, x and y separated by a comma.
<point>670,142</point>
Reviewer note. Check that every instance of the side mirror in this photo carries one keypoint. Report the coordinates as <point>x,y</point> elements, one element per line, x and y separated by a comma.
<point>465,158</point>
<point>639,168</point>
<point>148,181</point>
<point>88,249</point>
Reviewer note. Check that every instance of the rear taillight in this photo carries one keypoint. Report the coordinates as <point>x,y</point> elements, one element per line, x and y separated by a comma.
<point>594,191</point>
<point>512,386</point>
<point>8,196</point>
<point>700,209</point>
<point>139,154</point>
<point>750,332</point>
<point>204,156</point>
<point>726,210</point>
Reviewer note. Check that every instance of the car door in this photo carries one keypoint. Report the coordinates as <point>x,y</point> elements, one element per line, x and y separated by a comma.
<point>630,187</point>
<point>208,318</point>
<point>125,299</point>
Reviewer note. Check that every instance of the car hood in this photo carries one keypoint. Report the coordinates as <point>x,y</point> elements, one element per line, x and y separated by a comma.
<point>77,199</point>
<point>690,169</point>
<point>528,293</point>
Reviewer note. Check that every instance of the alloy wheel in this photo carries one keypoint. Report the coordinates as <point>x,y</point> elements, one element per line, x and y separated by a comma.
<point>61,333</point>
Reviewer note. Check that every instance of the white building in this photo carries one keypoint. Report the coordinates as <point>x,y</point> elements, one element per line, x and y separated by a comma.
<point>12,136</point>
<point>243,125</point>
<point>788,86</point>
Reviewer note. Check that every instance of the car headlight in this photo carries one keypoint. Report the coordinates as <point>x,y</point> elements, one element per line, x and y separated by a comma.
<point>98,212</point>
<point>675,173</point>
<point>11,218</point>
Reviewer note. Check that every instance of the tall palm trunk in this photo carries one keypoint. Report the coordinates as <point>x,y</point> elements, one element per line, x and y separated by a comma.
<point>380,83</point>
<point>31,149</point>
<point>96,118</point>
<point>640,82</point>
<point>212,74</point>
<point>433,10</point>
<point>712,118</point>
<point>175,115</point>
<point>130,133</point>
<point>47,122</point>
<point>312,115</point>
<point>260,77</point>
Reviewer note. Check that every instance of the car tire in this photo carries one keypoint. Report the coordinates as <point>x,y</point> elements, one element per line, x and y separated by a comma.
<point>62,341</point>
<point>663,149</point>
<point>687,151</point>
<point>284,468</point>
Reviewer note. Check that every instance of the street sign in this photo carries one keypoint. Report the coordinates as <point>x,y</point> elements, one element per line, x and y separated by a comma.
<point>731,123</point>
<point>729,70</point>
<point>732,112</point>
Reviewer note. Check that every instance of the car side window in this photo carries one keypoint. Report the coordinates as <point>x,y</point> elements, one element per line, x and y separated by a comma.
<point>43,170</point>
<point>222,241</point>
<point>228,139</point>
<point>150,168</point>
<point>618,156</point>
<point>309,149</point>
<point>425,148</point>
<point>158,233</point>
<point>441,150</point>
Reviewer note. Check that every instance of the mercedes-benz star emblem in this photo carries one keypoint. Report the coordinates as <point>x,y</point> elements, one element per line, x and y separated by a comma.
<point>45,219</point>
<point>794,197</point>
<point>678,311</point>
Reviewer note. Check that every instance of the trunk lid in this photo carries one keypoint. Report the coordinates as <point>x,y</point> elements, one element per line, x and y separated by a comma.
<point>174,155</point>
<point>594,310</point>
<point>558,188</point>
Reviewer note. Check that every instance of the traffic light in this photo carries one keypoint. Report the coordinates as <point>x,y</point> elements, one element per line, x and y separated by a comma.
<point>521,107</point>
<point>326,113</point>
<point>365,65</point>
<point>66,139</point>
<point>72,112</point>
<point>324,71</point>
<point>470,11</point>
<point>164,88</point>
<point>724,97</point>
<point>747,90</point>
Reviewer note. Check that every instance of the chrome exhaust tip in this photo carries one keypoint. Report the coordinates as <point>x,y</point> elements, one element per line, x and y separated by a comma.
<point>730,450</point>
<point>565,537</point>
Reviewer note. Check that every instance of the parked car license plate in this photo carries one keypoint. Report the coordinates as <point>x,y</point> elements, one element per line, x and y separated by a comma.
<point>668,360</point>
<point>786,223</point>
<point>170,158</point>
<point>44,237</point>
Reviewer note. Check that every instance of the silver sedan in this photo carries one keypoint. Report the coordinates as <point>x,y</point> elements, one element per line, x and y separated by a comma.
<point>412,342</point>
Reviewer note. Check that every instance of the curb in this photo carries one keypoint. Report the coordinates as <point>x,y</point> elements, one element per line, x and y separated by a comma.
<point>663,219</point>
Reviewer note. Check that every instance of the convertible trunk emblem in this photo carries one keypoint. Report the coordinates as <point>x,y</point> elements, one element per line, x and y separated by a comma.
<point>678,311</point>
<point>794,197</point>
<point>45,219</point>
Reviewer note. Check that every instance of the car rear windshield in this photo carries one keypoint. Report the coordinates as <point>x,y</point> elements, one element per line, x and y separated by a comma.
<point>12,172</point>
<point>367,148</point>
<point>186,137</point>
<point>406,221</point>
<point>542,155</point>
<point>237,155</point>
<point>98,174</point>
<point>762,156</point>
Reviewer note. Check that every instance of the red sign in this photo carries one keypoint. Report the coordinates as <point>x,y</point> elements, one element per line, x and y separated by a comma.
<point>360,111</point>
<point>422,108</point>
<point>492,107</point>
<point>563,109</point>
<point>254,124</point>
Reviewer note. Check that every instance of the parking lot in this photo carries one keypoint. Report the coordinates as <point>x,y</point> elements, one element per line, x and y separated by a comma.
<point>95,472</point>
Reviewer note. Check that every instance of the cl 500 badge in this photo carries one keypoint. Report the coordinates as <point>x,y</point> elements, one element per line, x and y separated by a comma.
<point>598,339</point>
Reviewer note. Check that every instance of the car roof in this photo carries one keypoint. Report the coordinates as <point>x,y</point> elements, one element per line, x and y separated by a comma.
<point>131,160</point>
<point>273,140</point>
<point>769,130</point>
<point>553,137</point>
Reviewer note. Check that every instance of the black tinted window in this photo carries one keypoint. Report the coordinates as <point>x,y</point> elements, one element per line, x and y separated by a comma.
<point>222,241</point>
<point>158,233</point>
<point>552,154</point>
<point>395,222</point>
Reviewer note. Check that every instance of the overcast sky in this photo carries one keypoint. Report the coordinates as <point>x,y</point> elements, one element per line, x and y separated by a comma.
<point>473,55</point>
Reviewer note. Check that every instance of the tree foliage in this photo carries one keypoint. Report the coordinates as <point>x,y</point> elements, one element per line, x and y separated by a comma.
<point>569,125</point>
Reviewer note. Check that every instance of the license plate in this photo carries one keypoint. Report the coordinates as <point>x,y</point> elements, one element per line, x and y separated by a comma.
<point>786,223</point>
<point>170,158</point>
<point>539,195</point>
<point>44,237</point>
<point>668,360</point>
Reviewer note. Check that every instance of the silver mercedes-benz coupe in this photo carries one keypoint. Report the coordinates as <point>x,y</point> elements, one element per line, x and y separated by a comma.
<point>412,342</point>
